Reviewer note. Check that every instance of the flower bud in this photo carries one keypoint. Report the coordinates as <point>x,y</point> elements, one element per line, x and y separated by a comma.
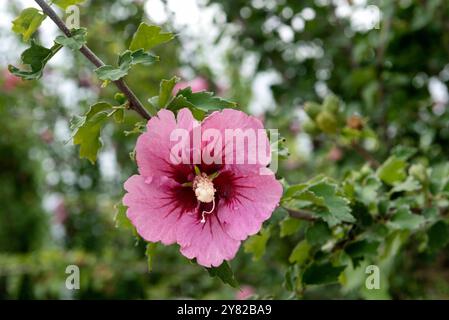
<point>331,104</point>
<point>310,127</point>
<point>355,122</point>
<point>327,122</point>
<point>312,109</point>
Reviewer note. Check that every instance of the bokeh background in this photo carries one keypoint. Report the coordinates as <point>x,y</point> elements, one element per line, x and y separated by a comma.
<point>388,60</point>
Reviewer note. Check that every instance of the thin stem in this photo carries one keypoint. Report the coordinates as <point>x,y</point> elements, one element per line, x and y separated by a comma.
<point>361,151</point>
<point>134,102</point>
<point>380,60</point>
<point>365,155</point>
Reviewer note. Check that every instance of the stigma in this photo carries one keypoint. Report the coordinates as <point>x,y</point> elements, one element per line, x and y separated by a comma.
<point>204,192</point>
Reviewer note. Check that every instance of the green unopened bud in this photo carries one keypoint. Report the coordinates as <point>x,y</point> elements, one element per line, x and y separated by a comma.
<point>331,104</point>
<point>327,122</point>
<point>312,109</point>
<point>310,127</point>
<point>120,98</point>
<point>419,172</point>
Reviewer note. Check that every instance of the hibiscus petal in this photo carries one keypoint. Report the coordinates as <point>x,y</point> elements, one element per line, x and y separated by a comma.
<point>254,199</point>
<point>151,208</point>
<point>240,124</point>
<point>207,242</point>
<point>153,147</point>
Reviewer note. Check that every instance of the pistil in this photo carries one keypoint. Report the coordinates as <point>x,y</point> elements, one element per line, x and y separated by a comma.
<point>204,192</point>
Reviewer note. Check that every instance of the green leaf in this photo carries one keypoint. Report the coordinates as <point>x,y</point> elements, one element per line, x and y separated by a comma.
<point>63,4</point>
<point>110,73</point>
<point>180,102</point>
<point>119,115</point>
<point>410,184</point>
<point>149,252</point>
<point>149,36</point>
<point>362,249</point>
<point>289,226</point>
<point>126,60</point>
<point>224,273</point>
<point>36,57</point>
<point>338,209</point>
<point>300,253</point>
<point>121,220</point>
<point>318,233</point>
<point>290,279</point>
<point>139,57</point>
<point>28,22</point>
<point>362,215</point>
<point>322,273</point>
<point>439,177</point>
<point>368,190</point>
<point>419,172</point>
<point>257,244</point>
<point>296,190</point>
<point>404,152</point>
<point>322,196</point>
<point>438,236</point>
<point>76,41</point>
<point>431,214</point>
<point>203,100</point>
<point>165,91</point>
<point>165,94</point>
<point>310,196</point>
<point>405,220</point>
<point>86,130</point>
<point>392,171</point>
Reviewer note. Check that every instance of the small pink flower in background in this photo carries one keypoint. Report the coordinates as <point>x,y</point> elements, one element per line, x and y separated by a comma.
<point>222,89</point>
<point>208,217</point>
<point>197,84</point>
<point>47,136</point>
<point>291,164</point>
<point>335,154</point>
<point>10,81</point>
<point>245,292</point>
<point>295,126</point>
<point>60,212</point>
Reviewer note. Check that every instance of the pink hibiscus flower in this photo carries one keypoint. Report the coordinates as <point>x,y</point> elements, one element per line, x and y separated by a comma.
<point>208,209</point>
